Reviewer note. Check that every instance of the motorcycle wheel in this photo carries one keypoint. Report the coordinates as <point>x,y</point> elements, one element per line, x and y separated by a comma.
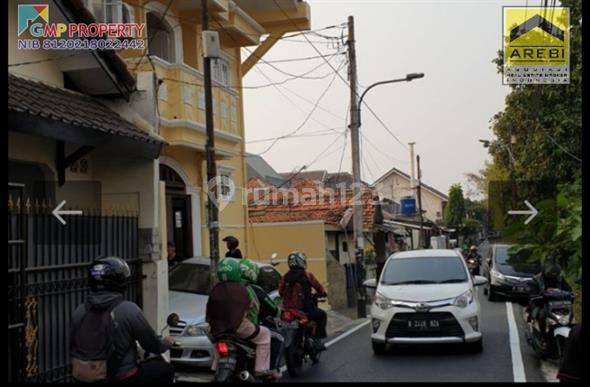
<point>223,376</point>
<point>294,360</point>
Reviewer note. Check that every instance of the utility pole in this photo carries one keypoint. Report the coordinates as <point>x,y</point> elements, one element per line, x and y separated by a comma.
<point>412,167</point>
<point>419,191</point>
<point>212,209</point>
<point>356,173</point>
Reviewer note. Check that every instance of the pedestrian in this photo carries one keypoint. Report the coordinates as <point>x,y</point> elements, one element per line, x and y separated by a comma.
<point>232,247</point>
<point>173,258</point>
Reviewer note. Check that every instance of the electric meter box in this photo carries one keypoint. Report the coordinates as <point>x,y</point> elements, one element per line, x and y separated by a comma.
<point>211,46</point>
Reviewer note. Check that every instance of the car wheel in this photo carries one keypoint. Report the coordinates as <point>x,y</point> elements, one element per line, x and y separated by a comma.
<point>476,347</point>
<point>379,349</point>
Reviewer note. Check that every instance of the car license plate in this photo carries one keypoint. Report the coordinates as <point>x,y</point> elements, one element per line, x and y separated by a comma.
<point>519,289</point>
<point>423,325</point>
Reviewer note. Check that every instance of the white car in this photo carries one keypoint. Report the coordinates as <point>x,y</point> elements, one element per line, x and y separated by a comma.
<point>425,297</point>
<point>189,284</point>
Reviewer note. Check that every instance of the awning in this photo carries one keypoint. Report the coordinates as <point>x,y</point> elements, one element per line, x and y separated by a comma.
<point>392,226</point>
<point>65,115</point>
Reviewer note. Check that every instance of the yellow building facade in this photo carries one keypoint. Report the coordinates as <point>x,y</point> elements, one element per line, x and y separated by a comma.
<point>172,76</point>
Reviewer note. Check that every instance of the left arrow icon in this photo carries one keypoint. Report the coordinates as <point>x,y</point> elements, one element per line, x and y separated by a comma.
<point>58,212</point>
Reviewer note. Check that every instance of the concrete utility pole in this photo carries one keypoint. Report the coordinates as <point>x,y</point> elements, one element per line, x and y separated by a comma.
<point>419,191</point>
<point>356,172</point>
<point>412,167</point>
<point>212,209</point>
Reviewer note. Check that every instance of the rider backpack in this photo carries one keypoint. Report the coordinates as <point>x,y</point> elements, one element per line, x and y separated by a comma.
<point>92,345</point>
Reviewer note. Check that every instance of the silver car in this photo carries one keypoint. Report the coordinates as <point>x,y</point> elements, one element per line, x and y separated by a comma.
<point>189,286</point>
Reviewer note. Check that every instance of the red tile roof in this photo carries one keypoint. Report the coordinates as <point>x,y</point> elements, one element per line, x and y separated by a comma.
<point>306,201</point>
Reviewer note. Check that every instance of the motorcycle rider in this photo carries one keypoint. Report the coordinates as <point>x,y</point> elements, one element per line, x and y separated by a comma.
<point>295,289</point>
<point>474,254</point>
<point>549,278</point>
<point>249,274</point>
<point>233,308</point>
<point>107,278</point>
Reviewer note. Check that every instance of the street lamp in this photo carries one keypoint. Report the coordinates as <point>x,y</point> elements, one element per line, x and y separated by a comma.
<point>487,143</point>
<point>408,78</point>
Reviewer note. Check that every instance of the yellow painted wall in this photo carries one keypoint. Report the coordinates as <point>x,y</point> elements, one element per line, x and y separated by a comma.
<point>284,238</point>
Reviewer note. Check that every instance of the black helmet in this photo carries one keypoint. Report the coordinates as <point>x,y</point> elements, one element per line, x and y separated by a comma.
<point>232,241</point>
<point>552,270</point>
<point>109,273</point>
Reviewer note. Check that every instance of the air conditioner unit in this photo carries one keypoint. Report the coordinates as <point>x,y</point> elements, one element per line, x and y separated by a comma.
<point>211,46</point>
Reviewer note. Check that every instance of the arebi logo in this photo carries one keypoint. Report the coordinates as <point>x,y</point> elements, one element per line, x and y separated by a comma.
<point>28,17</point>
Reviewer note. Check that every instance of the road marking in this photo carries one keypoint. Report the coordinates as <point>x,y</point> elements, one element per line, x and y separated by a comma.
<point>517,364</point>
<point>347,333</point>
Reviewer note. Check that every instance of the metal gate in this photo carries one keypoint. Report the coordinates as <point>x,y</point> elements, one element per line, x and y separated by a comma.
<point>47,264</point>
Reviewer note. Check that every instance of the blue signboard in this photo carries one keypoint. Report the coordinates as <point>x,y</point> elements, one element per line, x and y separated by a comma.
<point>408,206</point>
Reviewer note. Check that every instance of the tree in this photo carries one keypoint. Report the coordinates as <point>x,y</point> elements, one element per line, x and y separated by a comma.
<point>455,209</point>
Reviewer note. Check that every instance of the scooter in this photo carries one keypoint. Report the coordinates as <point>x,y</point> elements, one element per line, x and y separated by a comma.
<point>473,266</point>
<point>171,321</point>
<point>237,356</point>
<point>301,345</point>
<point>559,319</point>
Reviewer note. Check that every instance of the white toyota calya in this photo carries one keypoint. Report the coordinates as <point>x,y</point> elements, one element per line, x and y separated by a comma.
<point>425,297</point>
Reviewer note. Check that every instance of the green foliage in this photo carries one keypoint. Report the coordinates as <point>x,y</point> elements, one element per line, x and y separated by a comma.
<point>455,209</point>
<point>557,227</point>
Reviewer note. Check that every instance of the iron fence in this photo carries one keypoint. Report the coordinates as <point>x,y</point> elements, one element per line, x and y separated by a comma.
<point>51,264</point>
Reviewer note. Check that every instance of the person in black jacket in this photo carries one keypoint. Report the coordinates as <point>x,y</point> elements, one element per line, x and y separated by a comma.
<point>571,362</point>
<point>107,279</point>
<point>232,247</point>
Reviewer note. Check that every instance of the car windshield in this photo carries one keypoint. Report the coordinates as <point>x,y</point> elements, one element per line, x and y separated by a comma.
<point>424,270</point>
<point>518,261</point>
<point>190,278</point>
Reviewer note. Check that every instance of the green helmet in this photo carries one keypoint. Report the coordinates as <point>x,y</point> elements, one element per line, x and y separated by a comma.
<point>248,271</point>
<point>297,260</point>
<point>228,270</point>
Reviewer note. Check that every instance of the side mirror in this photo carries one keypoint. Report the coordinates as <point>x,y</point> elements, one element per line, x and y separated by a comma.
<point>370,283</point>
<point>273,263</point>
<point>172,320</point>
<point>478,280</point>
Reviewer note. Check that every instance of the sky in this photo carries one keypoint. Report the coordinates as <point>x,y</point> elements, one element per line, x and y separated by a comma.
<point>444,113</point>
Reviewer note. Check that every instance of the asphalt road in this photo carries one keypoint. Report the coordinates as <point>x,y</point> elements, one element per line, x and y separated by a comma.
<point>352,360</point>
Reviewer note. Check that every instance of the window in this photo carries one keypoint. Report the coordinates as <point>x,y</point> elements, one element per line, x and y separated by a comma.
<point>424,270</point>
<point>201,99</point>
<point>163,92</point>
<point>111,11</point>
<point>190,278</point>
<point>234,110</point>
<point>160,37</point>
<point>223,109</point>
<point>220,71</point>
<point>226,188</point>
<point>188,95</point>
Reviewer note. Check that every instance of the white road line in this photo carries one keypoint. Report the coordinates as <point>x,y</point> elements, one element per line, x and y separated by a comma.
<point>517,364</point>
<point>347,333</point>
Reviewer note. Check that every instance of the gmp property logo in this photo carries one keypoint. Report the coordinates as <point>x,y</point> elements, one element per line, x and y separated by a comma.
<point>536,45</point>
<point>32,18</point>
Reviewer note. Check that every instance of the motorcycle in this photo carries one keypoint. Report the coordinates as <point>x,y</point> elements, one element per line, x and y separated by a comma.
<point>557,306</point>
<point>237,356</point>
<point>172,321</point>
<point>473,265</point>
<point>301,345</point>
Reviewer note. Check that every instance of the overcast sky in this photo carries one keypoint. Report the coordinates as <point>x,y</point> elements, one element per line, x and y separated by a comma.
<point>445,113</point>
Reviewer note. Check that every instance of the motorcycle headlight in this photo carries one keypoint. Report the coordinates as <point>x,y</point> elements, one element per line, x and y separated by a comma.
<point>562,319</point>
<point>464,299</point>
<point>196,330</point>
<point>383,302</point>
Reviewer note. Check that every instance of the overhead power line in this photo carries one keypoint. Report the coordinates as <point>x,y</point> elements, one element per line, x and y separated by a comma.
<point>341,77</point>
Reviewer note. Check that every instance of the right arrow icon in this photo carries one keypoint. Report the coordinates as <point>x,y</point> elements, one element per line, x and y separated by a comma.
<point>532,212</point>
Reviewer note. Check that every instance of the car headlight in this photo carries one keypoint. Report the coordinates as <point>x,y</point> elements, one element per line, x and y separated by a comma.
<point>196,330</point>
<point>497,275</point>
<point>464,299</point>
<point>383,302</point>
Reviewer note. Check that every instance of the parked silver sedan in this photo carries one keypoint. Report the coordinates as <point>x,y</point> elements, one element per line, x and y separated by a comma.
<point>189,286</point>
